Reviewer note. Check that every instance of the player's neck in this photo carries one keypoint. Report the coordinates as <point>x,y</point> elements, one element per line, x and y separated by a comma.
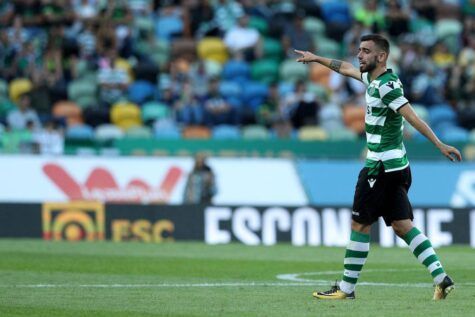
<point>377,72</point>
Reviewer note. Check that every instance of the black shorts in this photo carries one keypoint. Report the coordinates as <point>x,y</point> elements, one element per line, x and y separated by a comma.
<point>384,195</point>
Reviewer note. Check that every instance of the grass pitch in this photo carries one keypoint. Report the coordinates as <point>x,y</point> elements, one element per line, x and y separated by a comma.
<point>40,278</point>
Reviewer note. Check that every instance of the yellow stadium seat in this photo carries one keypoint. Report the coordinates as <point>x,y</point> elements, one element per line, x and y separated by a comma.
<point>18,87</point>
<point>124,64</point>
<point>126,115</point>
<point>312,133</point>
<point>212,48</point>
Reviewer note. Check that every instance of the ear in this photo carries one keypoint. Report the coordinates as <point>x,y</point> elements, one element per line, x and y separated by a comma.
<point>382,56</point>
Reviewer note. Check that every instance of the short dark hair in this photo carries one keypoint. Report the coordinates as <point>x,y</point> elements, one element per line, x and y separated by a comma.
<point>379,40</point>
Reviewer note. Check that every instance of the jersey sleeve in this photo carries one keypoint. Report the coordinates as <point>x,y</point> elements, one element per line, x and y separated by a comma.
<point>392,95</point>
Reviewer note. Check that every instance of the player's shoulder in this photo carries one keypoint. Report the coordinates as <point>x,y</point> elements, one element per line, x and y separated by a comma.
<point>388,76</point>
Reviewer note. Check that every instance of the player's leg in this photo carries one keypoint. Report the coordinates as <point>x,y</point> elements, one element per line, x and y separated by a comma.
<point>422,249</point>
<point>365,204</point>
<point>355,257</point>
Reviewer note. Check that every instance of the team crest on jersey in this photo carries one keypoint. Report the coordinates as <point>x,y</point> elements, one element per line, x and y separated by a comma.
<point>372,90</point>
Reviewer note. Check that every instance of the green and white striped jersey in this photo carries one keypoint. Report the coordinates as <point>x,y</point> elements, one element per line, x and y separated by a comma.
<point>384,96</point>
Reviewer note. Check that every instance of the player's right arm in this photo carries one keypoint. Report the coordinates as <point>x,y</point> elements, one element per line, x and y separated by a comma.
<point>338,66</point>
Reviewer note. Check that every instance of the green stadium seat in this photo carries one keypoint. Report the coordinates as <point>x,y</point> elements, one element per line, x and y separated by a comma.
<point>265,70</point>
<point>342,134</point>
<point>291,71</point>
<point>255,132</point>
<point>3,88</point>
<point>153,110</point>
<point>272,49</point>
<point>138,132</point>
<point>83,92</point>
<point>259,24</point>
<point>314,26</point>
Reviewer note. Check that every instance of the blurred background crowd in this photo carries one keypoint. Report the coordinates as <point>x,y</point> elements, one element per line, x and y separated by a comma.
<point>102,70</point>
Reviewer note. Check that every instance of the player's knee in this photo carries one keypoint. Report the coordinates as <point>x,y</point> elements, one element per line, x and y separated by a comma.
<point>401,228</point>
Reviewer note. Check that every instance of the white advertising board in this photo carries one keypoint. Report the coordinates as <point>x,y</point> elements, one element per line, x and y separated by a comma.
<point>145,180</point>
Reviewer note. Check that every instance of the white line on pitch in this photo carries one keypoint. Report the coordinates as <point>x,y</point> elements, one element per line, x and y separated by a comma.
<point>237,284</point>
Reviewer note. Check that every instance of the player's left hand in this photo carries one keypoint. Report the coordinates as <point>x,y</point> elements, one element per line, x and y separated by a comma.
<point>450,152</point>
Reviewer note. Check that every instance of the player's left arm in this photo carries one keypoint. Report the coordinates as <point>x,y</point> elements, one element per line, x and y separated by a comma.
<point>411,116</point>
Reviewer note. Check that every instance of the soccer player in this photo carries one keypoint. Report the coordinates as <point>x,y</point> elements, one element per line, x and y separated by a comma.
<point>383,183</point>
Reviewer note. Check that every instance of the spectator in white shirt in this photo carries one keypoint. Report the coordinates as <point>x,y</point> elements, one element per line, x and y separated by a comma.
<point>242,38</point>
<point>18,118</point>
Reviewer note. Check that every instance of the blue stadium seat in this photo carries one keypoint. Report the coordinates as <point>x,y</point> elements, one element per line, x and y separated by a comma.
<point>140,91</point>
<point>80,131</point>
<point>230,89</point>
<point>225,131</point>
<point>234,70</point>
<point>254,93</point>
<point>440,114</point>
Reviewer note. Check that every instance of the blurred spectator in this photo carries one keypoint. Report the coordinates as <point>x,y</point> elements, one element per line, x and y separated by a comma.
<point>268,112</point>
<point>370,16</point>
<point>200,19</point>
<point>300,106</point>
<point>226,14</point>
<point>296,37</point>
<point>397,18</point>
<point>242,39</point>
<point>188,107</point>
<point>19,118</point>
<point>216,109</point>
<point>50,139</point>
<point>201,184</point>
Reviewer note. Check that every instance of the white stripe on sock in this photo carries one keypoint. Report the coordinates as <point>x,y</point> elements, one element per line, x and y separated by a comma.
<point>346,287</point>
<point>358,246</point>
<point>359,261</point>
<point>416,241</point>
<point>424,255</point>
<point>352,274</point>
<point>434,266</point>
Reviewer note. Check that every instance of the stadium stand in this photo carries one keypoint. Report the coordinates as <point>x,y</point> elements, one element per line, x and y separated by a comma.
<point>94,64</point>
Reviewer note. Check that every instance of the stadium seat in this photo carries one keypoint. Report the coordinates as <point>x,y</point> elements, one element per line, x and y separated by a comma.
<point>166,129</point>
<point>196,132</point>
<point>106,132</point>
<point>138,132</point>
<point>168,27</point>
<point>230,89</point>
<point>265,70</point>
<point>6,105</point>
<point>3,88</point>
<point>80,132</point>
<point>260,24</point>
<point>226,132</point>
<point>341,134</point>
<point>314,26</point>
<point>292,72</point>
<point>312,133</point>
<point>330,117</point>
<point>212,48</point>
<point>125,115</point>
<point>448,27</point>
<point>158,50</point>
<point>272,49</point>
<point>455,134</point>
<point>440,114</point>
<point>69,111</point>
<point>253,94</point>
<point>18,87</point>
<point>153,110</point>
<point>140,91</point>
<point>236,70</point>
<point>319,91</point>
<point>354,118</point>
<point>320,75</point>
<point>255,132</point>
<point>83,92</point>
<point>327,47</point>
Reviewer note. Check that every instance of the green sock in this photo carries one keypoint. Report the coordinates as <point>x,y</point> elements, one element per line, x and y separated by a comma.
<point>355,257</point>
<point>424,252</point>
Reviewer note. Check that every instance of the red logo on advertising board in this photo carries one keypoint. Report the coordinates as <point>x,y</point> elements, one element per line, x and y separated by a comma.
<point>102,186</point>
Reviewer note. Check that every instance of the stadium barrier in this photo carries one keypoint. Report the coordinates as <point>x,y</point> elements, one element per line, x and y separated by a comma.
<point>307,225</point>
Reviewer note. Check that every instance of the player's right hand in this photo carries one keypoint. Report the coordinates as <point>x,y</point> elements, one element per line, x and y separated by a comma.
<point>305,57</point>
